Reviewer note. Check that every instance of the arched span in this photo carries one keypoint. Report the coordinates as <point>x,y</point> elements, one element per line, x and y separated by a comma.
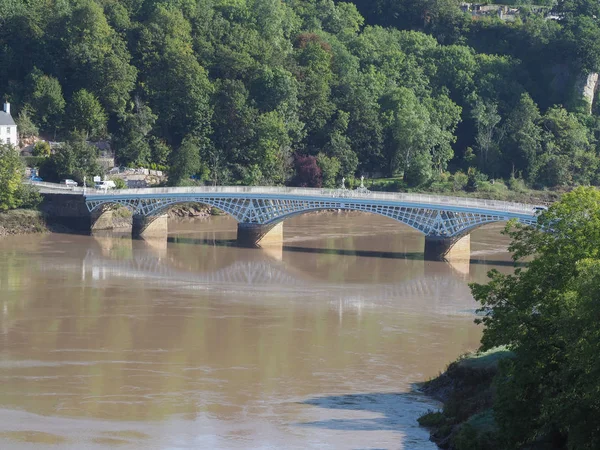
<point>101,207</point>
<point>417,225</point>
<point>446,220</point>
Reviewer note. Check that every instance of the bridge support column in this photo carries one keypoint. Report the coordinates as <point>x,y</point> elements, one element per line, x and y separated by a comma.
<point>149,226</point>
<point>103,222</point>
<point>439,248</point>
<point>258,235</point>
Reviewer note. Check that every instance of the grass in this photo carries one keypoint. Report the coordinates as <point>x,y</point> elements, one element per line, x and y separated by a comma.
<point>485,360</point>
<point>467,420</point>
<point>21,221</point>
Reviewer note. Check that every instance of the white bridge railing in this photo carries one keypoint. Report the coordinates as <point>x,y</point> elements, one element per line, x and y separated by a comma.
<point>494,205</point>
<point>417,199</point>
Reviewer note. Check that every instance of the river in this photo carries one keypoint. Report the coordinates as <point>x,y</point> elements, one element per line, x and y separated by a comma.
<point>195,343</point>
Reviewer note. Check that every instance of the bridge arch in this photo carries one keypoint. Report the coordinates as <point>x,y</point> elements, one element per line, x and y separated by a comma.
<point>102,216</point>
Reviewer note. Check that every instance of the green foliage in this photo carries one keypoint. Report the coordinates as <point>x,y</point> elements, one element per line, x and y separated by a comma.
<point>11,173</point>
<point>46,98</point>
<point>86,115</point>
<point>186,162</point>
<point>25,125</point>
<point>41,148</point>
<point>547,316</point>
<point>119,184</point>
<point>431,419</point>
<point>330,168</point>
<point>75,159</point>
<point>385,87</point>
<point>131,143</point>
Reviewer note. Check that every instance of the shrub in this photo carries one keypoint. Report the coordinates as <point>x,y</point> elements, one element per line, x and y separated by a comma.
<point>119,183</point>
<point>431,419</point>
<point>41,148</point>
<point>459,181</point>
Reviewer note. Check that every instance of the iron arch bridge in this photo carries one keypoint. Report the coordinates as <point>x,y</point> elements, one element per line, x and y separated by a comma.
<point>434,216</point>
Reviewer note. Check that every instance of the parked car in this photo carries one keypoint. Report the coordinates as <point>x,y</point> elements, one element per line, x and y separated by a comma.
<point>69,182</point>
<point>35,178</point>
<point>106,184</point>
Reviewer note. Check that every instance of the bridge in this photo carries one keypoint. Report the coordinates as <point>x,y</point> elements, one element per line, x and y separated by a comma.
<point>260,211</point>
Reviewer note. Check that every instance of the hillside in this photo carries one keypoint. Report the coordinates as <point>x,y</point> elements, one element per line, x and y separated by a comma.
<point>307,91</point>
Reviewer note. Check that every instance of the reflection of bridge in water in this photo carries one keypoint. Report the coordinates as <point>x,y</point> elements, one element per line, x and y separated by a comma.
<point>430,290</point>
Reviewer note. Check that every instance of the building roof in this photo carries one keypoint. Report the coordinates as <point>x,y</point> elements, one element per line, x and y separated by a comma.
<point>6,119</point>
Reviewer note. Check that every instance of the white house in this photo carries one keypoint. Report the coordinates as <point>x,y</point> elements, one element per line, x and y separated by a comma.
<point>8,127</point>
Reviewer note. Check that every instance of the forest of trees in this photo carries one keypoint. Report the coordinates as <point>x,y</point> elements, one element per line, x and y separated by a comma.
<point>307,91</point>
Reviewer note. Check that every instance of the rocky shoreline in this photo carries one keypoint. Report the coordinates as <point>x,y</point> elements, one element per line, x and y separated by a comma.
<point>466,390</point>
<point>198,210</point>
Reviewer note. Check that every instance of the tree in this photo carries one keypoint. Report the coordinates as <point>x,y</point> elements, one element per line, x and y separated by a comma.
<point>330,168</point>
<point>131,140</point>
<point>314,58</point>
<point>11,173</point>
<point>75,159</point>
<point>99,57</point>
<point>186,161</point>
<point>26,127</point>
<point>46,99</point>
<point>271,150</point>
<point>547,315</point>
<point>42,148</point>
<point>409,139</point>
<point>523,143</point>
<point>86,115</point>
<point>445,116</point>
<point>486,119</point>
<point>308,173</point>
<point>339,145</point>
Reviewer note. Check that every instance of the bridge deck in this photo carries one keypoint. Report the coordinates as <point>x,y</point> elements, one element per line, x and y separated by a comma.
<point>315,193</point>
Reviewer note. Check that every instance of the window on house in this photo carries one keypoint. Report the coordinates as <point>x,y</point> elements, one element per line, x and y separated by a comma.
<point>8,140</point>
<point>7,130</point>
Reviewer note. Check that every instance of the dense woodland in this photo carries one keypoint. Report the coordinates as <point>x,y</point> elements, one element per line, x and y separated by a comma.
<point>306,92</point>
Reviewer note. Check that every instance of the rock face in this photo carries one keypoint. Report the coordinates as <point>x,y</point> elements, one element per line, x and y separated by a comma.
<point>586,87</point>
<point>189,210</point>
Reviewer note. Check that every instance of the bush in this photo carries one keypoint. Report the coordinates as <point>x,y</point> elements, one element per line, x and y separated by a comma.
<point>120,183</point>
<point>41,148</point>
<point>459,181</point>
<point>431,419</point>
<point>517,184</point>
<point>33,161</point>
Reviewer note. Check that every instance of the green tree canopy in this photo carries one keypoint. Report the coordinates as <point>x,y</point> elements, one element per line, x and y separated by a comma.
<point>86,115</point>
<point>547,315</point>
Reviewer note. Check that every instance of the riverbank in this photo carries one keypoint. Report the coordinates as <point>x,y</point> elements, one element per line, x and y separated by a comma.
<point>22,221</point>
<point>466,390</point>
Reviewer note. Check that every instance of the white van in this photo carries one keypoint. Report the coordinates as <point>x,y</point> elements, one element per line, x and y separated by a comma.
<point>105,185</point>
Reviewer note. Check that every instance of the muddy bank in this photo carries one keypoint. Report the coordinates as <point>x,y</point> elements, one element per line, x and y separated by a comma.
<point>467,391</point>
<point>22,221</point>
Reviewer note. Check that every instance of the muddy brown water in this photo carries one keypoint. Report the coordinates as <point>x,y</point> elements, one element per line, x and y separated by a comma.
<point>194,343</point>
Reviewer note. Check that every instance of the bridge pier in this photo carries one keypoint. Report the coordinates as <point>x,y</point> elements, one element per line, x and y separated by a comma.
<point>259,235</point>
<point>149,226</point>
<point>438,248</point>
